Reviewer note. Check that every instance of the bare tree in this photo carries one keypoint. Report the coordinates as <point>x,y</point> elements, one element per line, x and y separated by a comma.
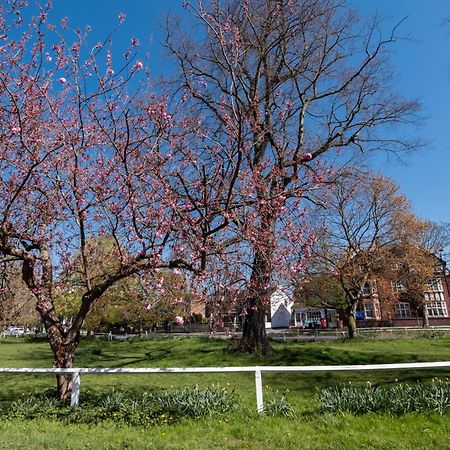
<point>365,218</point>
<point>275,85</point>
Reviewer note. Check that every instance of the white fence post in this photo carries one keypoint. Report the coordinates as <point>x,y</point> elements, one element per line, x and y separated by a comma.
<point>259,391</point>
<point>75,397</point>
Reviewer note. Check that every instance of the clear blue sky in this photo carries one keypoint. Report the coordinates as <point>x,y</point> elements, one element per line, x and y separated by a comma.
<point>422,63</point>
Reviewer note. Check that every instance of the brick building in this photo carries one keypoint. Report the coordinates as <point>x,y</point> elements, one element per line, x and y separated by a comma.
<point>388,304</point>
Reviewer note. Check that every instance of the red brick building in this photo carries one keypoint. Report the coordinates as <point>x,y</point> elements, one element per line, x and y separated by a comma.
<point>387,304</point>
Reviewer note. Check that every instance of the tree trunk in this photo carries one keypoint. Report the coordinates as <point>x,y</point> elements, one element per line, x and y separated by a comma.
<point>64,359</point>
<point>254,336</point>
<point>63,345</point>
<point>426,319</point>
<point>351,321</point>
<point>351,325</point>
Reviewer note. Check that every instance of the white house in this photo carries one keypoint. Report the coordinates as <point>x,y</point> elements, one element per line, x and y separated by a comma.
<point>280,310</point>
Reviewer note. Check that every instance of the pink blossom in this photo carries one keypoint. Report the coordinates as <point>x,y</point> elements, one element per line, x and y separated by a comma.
<point>138,66</point>
<point>179,320</point>
<point>62,80</point>
<point>121,17</point>
<point>307,157</point>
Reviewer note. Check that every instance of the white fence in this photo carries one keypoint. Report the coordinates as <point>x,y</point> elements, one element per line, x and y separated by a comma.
<point>257,370</point>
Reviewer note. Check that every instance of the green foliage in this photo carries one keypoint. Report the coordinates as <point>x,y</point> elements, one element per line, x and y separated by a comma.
<point>134,302</point>
<point>153,408</point>
<point>400,398</point>
<point>279,406</point>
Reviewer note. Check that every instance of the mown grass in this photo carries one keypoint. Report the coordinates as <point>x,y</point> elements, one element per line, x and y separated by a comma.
<point>239,432</point>
<point>243,429</point>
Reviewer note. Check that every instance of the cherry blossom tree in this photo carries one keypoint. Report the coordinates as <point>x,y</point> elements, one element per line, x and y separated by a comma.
<point>285,92</point>
<point>86,150</point>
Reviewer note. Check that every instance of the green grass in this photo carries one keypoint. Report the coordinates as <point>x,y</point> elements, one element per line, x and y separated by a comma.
<point>244,429</point>
<point>239,432</point>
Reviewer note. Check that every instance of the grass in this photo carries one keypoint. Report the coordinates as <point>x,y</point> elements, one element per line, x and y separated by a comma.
<point>239,432</point>
<point>243,429</point>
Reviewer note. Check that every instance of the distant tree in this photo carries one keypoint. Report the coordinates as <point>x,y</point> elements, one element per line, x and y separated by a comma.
<point>321,290</point>
<point>16,301</point>
<point>141,300</point>
<point>365,216</point>
<point>415,264</point>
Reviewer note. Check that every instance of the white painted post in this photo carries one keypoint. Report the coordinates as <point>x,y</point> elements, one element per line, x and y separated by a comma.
<point>75,397</point>
<point>259,391</point>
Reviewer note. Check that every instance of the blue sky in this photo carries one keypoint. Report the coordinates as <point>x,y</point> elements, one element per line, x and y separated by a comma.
<point>423,66</point>
<point>422,63</point>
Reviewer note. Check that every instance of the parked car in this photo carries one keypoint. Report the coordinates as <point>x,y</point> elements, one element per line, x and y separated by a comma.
<point>15,331</point>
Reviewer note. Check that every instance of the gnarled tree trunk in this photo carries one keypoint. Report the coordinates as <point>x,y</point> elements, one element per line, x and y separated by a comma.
<point>62,344</point>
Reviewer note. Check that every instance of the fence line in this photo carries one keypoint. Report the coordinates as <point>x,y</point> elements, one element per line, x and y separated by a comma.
<point>257,370</point>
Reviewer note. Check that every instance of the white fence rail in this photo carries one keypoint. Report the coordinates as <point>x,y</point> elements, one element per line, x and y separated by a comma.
<point>257,370</point>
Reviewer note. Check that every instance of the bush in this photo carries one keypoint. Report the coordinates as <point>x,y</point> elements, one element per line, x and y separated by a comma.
<point>396,399</point>
<point>119,406</point>
<point>279,407</point>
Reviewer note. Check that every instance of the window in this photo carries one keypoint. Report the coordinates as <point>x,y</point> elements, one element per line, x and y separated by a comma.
<point>435,285</point>
<point>314,315</point>
<point>370,288</point>
<point>437,309</point>
<point>397,286</point>
<point>434,296</point>
<point>402,310</point>
<point>309,316</point>
<point>371,310</point>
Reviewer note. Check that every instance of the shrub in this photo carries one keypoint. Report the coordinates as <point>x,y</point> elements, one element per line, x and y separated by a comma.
<point>119,406</point>
<point>279,407</point>
<point>396,399</point>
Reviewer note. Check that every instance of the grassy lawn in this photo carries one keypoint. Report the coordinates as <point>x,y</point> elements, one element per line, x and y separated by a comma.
<point>242,429</point>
